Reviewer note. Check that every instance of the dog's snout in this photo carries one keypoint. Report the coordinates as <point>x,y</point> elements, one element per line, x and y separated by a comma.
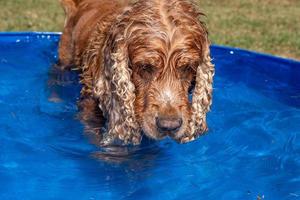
<point>168,125</point>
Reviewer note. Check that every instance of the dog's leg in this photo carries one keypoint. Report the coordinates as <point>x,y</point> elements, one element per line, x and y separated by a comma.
<point>66,45</point>
<point>92,118</point>
<point>90,111</point>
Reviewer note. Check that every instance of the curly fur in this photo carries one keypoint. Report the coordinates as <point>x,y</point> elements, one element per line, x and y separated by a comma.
<point>108,42</point>
<point>122,121</point>
<point>202,98</point>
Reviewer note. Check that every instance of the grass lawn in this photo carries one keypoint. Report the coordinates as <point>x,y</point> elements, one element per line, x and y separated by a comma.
<point>271,26</point>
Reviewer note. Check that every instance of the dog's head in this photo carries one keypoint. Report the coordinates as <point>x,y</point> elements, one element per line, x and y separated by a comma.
<point>155,55</point>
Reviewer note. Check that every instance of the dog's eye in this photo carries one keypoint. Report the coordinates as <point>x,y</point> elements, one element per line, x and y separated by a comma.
<point>185,68</point>
<point>146,70</point>
<point>186,71</point>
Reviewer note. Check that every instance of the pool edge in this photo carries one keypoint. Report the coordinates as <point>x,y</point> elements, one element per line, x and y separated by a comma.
<point>229,48</point>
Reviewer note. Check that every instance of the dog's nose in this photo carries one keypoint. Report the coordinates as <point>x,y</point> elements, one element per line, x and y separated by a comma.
<point>168,125</point>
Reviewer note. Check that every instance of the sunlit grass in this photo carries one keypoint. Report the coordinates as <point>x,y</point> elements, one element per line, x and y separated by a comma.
<point>271,26</point>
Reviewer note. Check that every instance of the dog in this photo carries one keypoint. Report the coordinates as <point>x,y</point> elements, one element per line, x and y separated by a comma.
<point>138,64</point>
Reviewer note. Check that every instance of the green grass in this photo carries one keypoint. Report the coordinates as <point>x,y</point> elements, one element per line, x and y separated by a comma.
<point>31,15</point>
<point>271,26</point>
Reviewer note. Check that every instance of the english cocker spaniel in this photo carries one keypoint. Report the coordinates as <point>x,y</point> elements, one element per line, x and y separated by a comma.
<point>139,62</point>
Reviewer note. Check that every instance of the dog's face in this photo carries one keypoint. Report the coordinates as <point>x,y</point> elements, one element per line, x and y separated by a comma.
<point>155,53</point>
<point>163,79</point>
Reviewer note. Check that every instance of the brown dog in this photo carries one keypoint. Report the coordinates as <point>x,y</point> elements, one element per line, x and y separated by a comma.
<point>139,62</point>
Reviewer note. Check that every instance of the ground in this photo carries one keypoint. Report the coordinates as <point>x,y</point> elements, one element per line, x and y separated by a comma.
<point>270,26</point>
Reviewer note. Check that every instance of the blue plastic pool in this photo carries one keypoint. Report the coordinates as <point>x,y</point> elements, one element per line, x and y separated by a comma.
<point>252,150</point>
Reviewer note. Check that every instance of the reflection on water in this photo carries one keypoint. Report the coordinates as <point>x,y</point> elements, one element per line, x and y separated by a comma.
<point>252,148</point>
<point>89,113</point>
<point>123,154</point>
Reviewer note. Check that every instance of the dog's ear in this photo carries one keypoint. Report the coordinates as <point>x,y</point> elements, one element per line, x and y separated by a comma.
<point>120,108</point>
<point>202,96</point>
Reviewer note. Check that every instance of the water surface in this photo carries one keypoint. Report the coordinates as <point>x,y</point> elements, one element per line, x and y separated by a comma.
<point>252,149</point>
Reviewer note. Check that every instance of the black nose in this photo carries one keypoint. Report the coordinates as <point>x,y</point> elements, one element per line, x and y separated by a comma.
<point>168,125</point>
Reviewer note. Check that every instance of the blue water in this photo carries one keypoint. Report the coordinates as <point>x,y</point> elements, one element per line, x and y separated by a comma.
<point>252,150</point>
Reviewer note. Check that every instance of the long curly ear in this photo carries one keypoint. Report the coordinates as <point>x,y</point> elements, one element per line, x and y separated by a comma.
<point>122,121</point>
<point>202,97</point>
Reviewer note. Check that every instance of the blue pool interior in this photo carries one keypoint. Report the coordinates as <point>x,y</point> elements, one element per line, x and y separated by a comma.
<point>252,149</point>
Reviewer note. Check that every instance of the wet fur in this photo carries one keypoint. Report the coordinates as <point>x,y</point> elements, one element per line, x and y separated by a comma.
<point>108,41</point>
